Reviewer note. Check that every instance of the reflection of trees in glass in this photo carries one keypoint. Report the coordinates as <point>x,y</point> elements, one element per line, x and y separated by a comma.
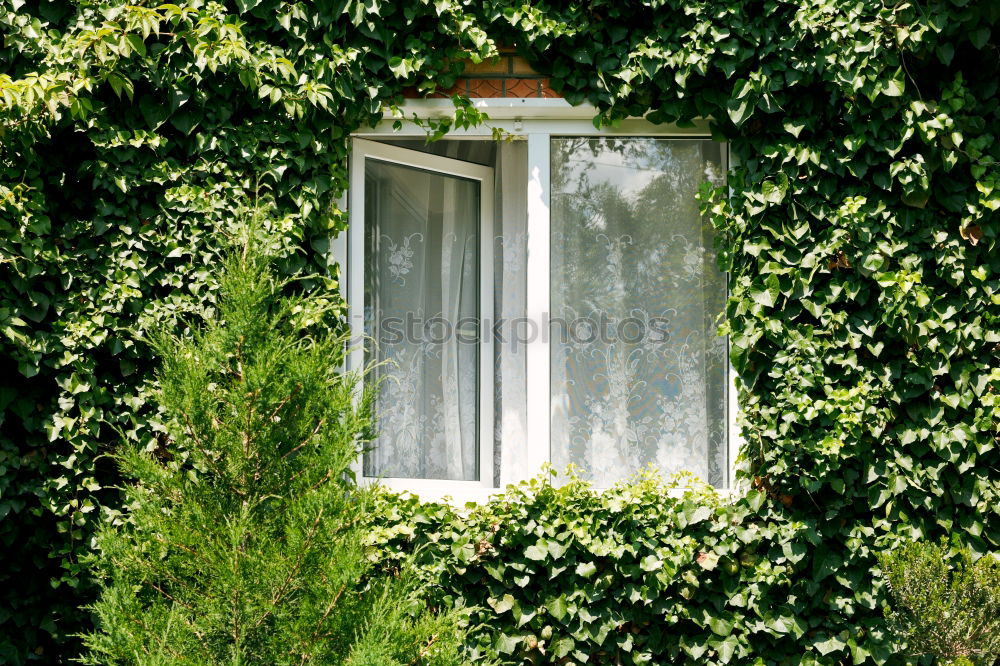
<point>628,241</point>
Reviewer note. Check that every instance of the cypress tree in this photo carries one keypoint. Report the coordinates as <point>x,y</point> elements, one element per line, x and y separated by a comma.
<point>242,540</point>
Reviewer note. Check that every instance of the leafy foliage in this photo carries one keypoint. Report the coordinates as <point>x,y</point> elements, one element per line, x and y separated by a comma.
<point>949,612</point>
<point>242,538</point>
<point>130,136</point>
<point>644,573</point>
<point>860,231</point>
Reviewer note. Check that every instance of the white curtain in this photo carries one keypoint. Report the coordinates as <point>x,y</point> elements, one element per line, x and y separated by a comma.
<point>421,284</point>
<point>510,296</point>
<point>638,372</point>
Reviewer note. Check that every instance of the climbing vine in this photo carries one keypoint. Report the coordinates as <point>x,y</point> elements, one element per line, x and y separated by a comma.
<point>860,222</point>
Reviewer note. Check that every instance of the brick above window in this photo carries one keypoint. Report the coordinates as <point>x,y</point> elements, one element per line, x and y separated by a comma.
<point>507,75</point>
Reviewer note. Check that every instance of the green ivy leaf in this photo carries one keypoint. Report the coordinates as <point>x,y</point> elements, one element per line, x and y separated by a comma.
<point>502,605</point>
<point>557,607</point>
<point>537,552</point>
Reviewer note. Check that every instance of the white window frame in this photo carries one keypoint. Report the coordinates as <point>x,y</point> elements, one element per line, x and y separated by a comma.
<point>362,150</point>
<point>537,121</point>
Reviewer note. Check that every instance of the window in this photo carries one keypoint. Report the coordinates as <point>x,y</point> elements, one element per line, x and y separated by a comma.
<point>554,298</point>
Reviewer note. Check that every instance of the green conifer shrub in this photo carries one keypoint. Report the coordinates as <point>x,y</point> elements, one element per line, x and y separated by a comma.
<point>242,535</point>
<point>948,611</point>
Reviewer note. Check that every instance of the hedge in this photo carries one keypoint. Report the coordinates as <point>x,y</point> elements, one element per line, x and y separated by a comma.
<point>860,224</point>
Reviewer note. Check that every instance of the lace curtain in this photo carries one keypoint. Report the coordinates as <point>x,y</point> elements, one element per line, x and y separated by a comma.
<point>419,404</point>
<point>422,250</point>
<point>638,374</point>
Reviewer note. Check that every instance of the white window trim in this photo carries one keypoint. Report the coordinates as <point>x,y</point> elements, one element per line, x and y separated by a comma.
<point>537,121</point>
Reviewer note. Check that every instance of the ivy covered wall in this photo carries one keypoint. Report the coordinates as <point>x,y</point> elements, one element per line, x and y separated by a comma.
<point>862,238</point>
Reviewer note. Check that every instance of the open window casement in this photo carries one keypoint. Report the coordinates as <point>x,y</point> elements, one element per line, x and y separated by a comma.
<point>421,265</point>
<point>553,298</point>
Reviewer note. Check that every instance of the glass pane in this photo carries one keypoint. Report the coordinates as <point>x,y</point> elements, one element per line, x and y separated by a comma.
<point>421,310</point>
<point>478,152</point>
<point>638,372</point>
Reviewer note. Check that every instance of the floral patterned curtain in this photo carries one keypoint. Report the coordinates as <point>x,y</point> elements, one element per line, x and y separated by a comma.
<point>421,287</point>
<point>638,371</point>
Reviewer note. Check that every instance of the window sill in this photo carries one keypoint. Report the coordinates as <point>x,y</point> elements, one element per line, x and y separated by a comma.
<point>460,493</point>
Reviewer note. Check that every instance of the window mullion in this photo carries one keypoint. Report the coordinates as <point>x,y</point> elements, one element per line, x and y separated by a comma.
<point>538,361</point>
